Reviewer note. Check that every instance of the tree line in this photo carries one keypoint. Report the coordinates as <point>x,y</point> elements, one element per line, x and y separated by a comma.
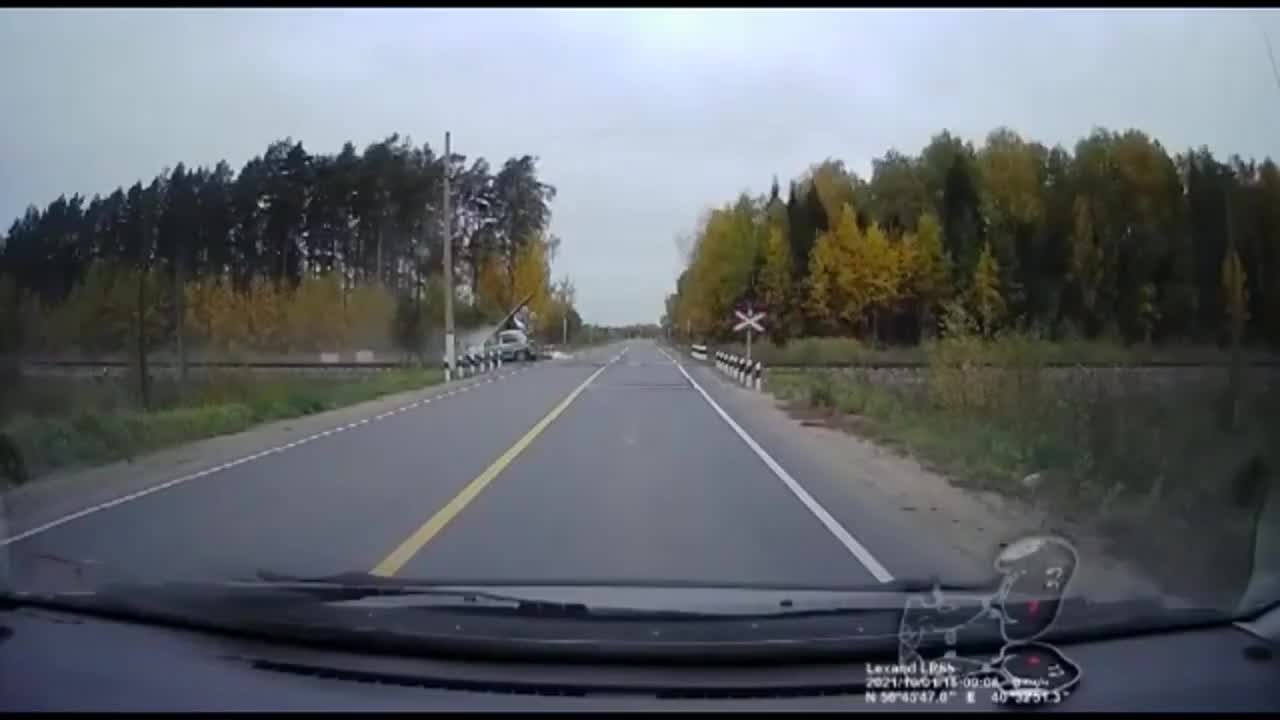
<point>1118,239</point>
<point>254,258</point>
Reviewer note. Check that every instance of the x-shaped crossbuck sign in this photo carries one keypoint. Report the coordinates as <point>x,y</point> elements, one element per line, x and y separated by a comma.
<point>748,320</point>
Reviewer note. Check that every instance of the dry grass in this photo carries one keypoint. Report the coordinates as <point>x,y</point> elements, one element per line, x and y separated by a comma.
<point>1150,466</point>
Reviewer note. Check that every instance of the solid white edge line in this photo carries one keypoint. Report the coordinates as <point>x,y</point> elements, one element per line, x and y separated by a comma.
<point>859,551</point>
<point>5,542</point>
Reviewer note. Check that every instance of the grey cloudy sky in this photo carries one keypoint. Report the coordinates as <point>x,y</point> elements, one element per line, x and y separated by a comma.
<point>642,119</point>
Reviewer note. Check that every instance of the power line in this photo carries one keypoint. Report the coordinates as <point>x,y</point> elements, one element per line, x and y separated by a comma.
<point>1275,71</point>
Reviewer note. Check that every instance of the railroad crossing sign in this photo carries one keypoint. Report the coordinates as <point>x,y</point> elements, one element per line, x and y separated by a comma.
<point>748,321</point>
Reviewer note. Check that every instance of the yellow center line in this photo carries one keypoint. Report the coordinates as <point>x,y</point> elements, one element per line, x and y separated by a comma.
<point>420,537</point>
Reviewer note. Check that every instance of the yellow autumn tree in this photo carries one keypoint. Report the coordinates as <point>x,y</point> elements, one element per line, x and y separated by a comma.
<point>1148,310</point>
<point>370,312</point>
<point>492,291</point>
<point>925,268</point>
<point>1235,294</point>
<point>836,187</point>
<point>99,312</point>
<point>724,256</point>
<point>311,314</point>
<point>199,304</point>
<point>987,302</point>
<point>531,278</point>
<point>775,276</point>
<point>228,324</point>
<point>854,275</point>
<point>266,308</point>
<point>877,272</point>
<point>1086,258</point>
<point>824,302</point>
<point>1011,193</point>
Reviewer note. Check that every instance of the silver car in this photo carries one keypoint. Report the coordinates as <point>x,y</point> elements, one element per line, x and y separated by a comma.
<point>515,345</point>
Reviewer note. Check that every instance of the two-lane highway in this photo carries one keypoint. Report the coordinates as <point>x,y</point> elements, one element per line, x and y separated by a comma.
<point>639,479</point>
<point>615,465</point>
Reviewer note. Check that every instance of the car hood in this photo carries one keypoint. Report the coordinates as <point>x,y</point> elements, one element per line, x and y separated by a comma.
<point>712,600</point>
<point>592,621</point>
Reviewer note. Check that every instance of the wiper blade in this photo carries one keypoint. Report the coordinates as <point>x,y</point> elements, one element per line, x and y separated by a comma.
<point>358,587</point>
<point>871,599</point>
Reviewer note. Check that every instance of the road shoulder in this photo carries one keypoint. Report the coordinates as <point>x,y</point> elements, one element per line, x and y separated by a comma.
<point>69,491</point>
<point>913,518</point>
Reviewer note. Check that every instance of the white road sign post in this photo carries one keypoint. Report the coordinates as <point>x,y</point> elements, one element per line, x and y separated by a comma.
<point>749,321</point>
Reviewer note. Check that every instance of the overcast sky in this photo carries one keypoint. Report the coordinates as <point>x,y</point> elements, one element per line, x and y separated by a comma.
<point>642,119</point>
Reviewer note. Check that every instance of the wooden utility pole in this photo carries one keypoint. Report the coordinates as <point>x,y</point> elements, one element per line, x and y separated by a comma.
<point>448,262</point>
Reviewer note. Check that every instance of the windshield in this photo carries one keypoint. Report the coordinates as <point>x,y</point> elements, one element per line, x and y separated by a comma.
<point>724,302</point>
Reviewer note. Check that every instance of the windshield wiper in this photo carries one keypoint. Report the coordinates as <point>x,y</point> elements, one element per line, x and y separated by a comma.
<point>352,587</point>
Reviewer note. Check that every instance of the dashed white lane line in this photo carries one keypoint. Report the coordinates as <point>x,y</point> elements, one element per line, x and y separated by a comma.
<point>857,549</point>
<point>233,463</point>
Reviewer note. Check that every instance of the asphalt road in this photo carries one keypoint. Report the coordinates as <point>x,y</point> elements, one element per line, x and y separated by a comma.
<point>622,463</point>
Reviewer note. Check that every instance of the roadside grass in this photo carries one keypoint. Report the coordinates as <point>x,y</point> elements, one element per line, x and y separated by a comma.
<point>60,423</point>
<point>1150,468</point>
<point>850,351</point>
